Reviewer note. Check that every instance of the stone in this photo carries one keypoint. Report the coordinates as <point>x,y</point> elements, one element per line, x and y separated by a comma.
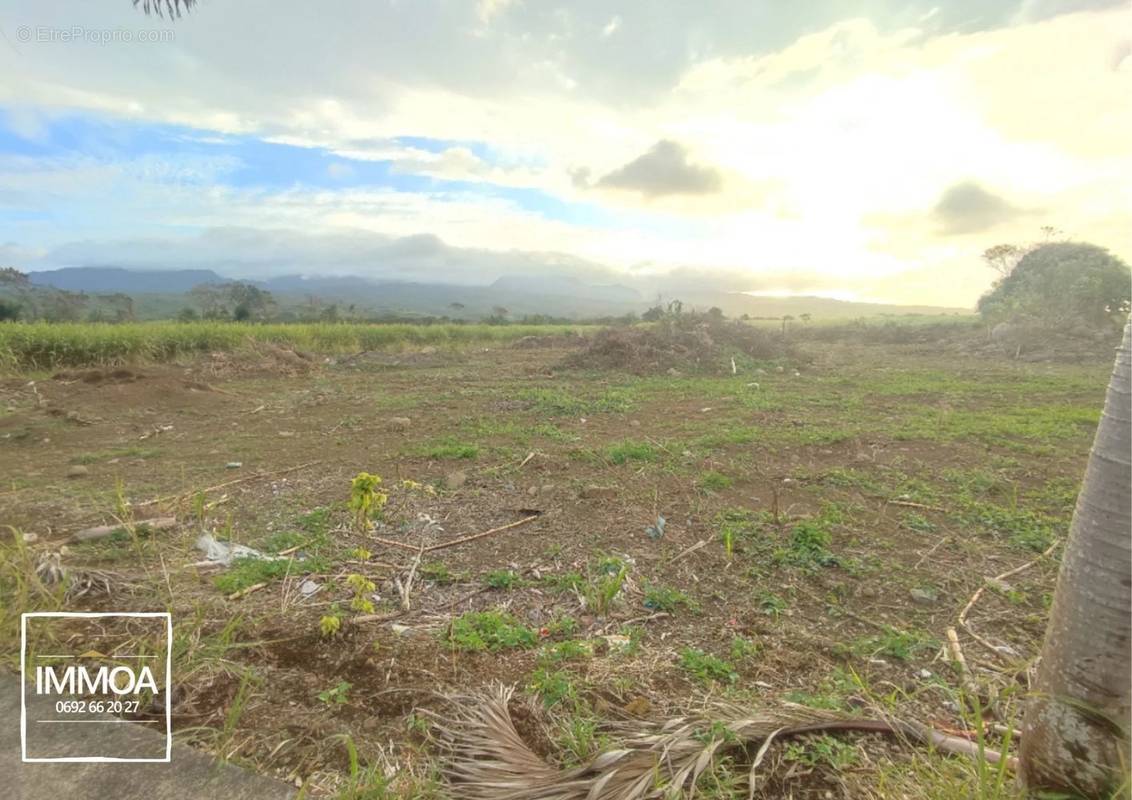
<point>925,595</point>
<point>400,423</point>
<point>455,480</point>
<point>77,471</point>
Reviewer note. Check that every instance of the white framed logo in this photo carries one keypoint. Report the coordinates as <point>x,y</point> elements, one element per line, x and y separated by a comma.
<point>85,692</point>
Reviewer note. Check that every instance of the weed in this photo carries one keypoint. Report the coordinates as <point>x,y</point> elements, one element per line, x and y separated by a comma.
<point>450,448</point>
<point>437,572</point>
<point>743,648</point>
<point>901,645</point>
<point>337,695</point>
<point>563,582</point>
<point>823,750</point>
<point>488,630</point>
<point>601,592</point>
<point>329,625</point>
<point>553,686</point>
<point>503,579</point>
<point>713,481</point>
<point>662,598</point>
<point>628,450</point>
<point>565,651</point>
<point>246,572</point>
<point>808,547</point>
<point>771,604</point>
<point>705,667</point>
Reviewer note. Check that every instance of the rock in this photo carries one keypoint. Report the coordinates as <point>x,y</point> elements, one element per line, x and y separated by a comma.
<point>687,454</point>
<point>546,488</point>
<point>533,491</point>
<point>598,493</point>
<point>780,368</point>
<point>31,538</point>
<point>77,471</point>
<point>638,706</point>
<point>672,371</point>
<point>234,465</point>
<point>454,480</point>
<point>400,423</point>
<point>286,434</point>
<point>634,423</point>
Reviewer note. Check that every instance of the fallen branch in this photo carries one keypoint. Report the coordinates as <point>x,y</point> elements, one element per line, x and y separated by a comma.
<point>408,587</point>
<point>475,536</point>
<point>255,587</point>
<point>687,551</point>
<point>226,484</point>
<point>960,662</point>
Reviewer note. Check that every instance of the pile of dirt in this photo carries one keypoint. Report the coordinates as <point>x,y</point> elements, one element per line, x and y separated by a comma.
<point>685,343</point>
<point>97,376</point>
<point>259,358</point>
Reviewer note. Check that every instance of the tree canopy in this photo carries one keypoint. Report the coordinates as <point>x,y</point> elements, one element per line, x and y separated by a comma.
<point>1062,283</point>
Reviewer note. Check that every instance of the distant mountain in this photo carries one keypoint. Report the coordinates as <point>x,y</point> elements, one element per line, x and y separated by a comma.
<point>107,280</point>
<point>163,293</point>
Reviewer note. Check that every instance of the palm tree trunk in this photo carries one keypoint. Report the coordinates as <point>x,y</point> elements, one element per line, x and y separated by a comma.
<point>1076,726</point>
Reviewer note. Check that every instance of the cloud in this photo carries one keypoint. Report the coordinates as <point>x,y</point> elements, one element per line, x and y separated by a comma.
<point>967,207</point>
<point>664,170</point>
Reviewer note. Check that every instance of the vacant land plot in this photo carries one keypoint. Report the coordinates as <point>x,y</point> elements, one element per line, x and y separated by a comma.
<point>803,531</point>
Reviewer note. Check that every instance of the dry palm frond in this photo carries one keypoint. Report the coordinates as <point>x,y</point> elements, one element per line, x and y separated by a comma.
<point>51,572</point>
<point>488,759</point>
<point>172,7</point>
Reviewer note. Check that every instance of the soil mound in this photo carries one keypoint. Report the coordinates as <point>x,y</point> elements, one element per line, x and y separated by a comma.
<point>259,358</point>
<point>692,343</point>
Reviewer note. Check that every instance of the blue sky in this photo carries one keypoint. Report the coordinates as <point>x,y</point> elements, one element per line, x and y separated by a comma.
<point>838,148</point>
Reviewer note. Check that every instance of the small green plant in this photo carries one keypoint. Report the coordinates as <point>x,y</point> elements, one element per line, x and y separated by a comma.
<point>713,481</point>
<point>663,598</point>
<point>563,582</point>
<point>437,572</point>
<point>565,651</point>
<point>365,499</point>
<point>488,630</point>
<point>503,579</point>
<point>771,604</point>
<point>362,587</point>
<point>707,668</point>
<point>822,750</point>
<point>735,524</point>
<point>337,695</point>
<point>553,686</point>
<point>601,592</point>
<point>329,625</point>
<point>361,554</point>
<point>901,645</point>
<point>451,448</point>
<point>808,547</point>
<point>743,649</point>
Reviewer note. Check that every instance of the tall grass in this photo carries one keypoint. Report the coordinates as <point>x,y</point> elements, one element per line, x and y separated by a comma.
<point>43,345</point>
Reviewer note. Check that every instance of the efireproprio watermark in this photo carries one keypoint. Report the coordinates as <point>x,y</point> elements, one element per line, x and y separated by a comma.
<point>70,699</point>
<point>80,34</point>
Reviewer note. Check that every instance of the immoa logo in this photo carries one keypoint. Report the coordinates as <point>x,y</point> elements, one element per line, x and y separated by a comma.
<point>78,680</point>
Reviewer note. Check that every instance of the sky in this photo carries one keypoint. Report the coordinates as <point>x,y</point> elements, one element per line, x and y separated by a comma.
<point>858,150</point>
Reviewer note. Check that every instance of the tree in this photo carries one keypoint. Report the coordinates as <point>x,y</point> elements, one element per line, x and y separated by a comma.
<point>1076,726</point>
<point>1062,283</point>
<point>9,310</point>
<point>1002,258</point>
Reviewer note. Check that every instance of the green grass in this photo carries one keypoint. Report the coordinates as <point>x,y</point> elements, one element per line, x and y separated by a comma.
<point>246,572</point>
<point>45,346</point>
<point>713,481</point>
<point>560,403</point>
<point>808,546</point>
<point>901,645</point>
<point>663,598</point>
<point>477,631</point>
<point>705,667</point>
<point>449,448</point>
<point>554,686</point>
<point>503,579</point>
<point>628,450</point>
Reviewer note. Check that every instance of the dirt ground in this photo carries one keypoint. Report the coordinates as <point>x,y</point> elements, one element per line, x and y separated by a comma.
<point>867,493</point>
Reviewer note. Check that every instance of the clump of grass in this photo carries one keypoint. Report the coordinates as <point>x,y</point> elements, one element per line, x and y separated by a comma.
<point>602,590</point>
<point>503,579</point>
<point>246,572</point>
<point>629,450</point>
<point>554,686</point>
<point>771,604</point>
<point>663,598</point>
<point>735,525</point>
<point>713,481</point>
<point>437,572</point>
<point>808,547</point>
<point>743,649</point>
<point>901,645</point>
<point>823,750</point>
<point>450,448</point>
<point>337,695</point>
<point>477,631</point>
<point>707,668</point>
<point>556,402</point>
<point>563,582</point>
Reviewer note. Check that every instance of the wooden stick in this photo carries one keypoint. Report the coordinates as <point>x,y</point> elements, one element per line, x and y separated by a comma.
<point>255,587</point>
<point>409,580</point>
<point>229,483</point>
<point>910,504</point>
<point>475,536</point>
<point>999,578</point>
<point>688,550</point>
<point>965,678</point>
